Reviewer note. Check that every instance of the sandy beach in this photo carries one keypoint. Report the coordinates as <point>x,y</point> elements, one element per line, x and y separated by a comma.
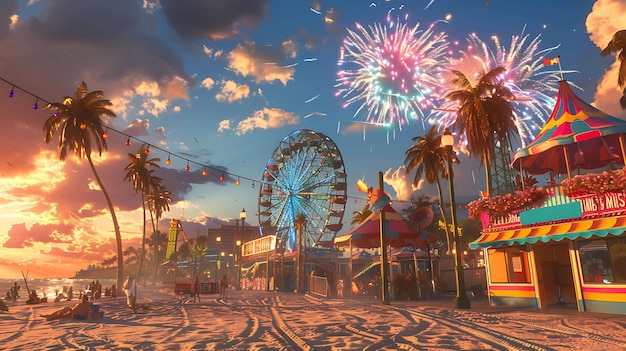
<point>258,320</point>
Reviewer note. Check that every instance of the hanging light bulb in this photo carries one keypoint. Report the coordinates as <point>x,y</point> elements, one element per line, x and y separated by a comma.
<point>83,126</point>
<point>253,184</point>
<point>12,92</point>
<point>168,161</point>
<point>204,172</point>
<point>128,142</point>
<point>105,134</point>
<point>238,182</point>
<point>36,104</point>
<point>148,150</point>
<point>187,168</point>
<point>222,178</point>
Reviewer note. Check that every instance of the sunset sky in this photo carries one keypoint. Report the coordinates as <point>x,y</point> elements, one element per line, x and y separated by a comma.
<point>220,83</point>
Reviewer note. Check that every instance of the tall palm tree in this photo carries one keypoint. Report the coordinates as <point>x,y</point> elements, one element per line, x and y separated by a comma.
<point>139,175</point>
<point>485,115</point>
<point>159,239</point>
<point>159,201</point>
<point>617,45</point>
<point>426,156</point>
<point>300,224</point>
<point>78,120</point>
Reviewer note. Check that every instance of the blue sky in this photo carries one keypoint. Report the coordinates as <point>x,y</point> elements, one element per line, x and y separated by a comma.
<point>220,83</point>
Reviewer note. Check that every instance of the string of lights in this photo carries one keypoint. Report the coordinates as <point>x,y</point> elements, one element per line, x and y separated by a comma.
<point>38,100</point>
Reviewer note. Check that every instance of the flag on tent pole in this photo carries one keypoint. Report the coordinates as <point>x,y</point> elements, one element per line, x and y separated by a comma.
<point>553,61</point>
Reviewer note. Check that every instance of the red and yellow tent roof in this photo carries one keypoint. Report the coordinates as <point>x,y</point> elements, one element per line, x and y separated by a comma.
<point>577,135</point>
<point>398,232</point>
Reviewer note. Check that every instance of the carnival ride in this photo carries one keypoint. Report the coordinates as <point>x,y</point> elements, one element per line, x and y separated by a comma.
<point>305,175</point>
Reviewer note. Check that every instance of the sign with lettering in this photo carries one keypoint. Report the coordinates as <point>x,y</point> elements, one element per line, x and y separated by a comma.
<point>603,203</point>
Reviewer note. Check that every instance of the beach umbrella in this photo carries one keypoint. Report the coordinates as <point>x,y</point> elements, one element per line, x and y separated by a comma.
<point>576,136</point>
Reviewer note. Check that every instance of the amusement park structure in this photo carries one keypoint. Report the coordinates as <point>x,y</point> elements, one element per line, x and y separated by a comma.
<point>562,244</point>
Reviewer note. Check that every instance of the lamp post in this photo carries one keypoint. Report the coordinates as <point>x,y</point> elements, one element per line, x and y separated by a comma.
<point>217,256</point>
<point>242,216</point>
<point>461,300</point>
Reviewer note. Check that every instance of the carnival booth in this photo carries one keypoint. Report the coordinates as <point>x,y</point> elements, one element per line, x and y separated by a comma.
<point>562,244</point>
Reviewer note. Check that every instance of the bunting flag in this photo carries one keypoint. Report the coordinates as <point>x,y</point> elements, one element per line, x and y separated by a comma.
<point>548,61</point>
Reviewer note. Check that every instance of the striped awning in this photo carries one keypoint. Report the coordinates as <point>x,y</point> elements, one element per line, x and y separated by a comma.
<point>599,227</point>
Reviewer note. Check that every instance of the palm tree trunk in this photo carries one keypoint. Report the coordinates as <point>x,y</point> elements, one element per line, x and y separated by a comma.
<point>488,175</point>
<point>443,215</point>
<point>299,259</point>
<point>143,240</point>
<point>116,226</point>
<point>155,246</point>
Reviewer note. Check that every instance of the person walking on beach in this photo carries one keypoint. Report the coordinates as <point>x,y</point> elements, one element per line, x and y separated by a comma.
<point>130,288</point>
<point>223,286</point>
<point>195,289</point>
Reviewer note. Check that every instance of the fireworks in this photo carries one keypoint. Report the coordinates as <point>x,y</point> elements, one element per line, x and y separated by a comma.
<point>392,70</point>
<point>534,87</point>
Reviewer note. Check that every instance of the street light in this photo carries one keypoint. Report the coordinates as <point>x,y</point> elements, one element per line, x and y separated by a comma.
<point>242,216</point>
<point>217,255</point>
<point>461,300</point>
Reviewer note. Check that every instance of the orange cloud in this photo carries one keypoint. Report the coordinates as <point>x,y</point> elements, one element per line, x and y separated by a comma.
<point>261,63</point>
<point>606,18</point>
<point>266,119</point>
<point>232,92</point>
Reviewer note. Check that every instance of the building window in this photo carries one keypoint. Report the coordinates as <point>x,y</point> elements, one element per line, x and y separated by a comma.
<point>603,261</point>
<point>508,265</point>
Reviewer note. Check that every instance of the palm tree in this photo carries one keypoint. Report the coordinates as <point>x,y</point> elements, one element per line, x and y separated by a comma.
<point>78,119</point>
<point>300,224</point>
<point>426,156</point>
<point>617,45</point>
<point>159,201</point>
<point>485,116</point>
<point>159,239</point>
<point>139,175</point>
<point>415,203</point>
<point>359,216</point>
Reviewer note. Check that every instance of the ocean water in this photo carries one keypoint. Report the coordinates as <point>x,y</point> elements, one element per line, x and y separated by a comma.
<point>48,286</point>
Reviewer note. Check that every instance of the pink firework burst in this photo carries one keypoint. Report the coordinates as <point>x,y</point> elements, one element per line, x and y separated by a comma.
<point>392,71</point>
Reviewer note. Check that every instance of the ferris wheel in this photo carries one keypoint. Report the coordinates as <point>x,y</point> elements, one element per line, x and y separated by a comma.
<point>304,175</point>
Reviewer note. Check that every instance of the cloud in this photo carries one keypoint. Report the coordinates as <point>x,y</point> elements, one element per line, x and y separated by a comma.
<point>606,18</point>
<point>175,88</point>
<point>208,83</point>
<point>20,236</point>
<point>232,92</point>
<point>311,42</point>
<point>360,127</point>
<point>119,60</point>
<point>215,19</point>
<point>402,182</point>
<point>155,106</point>
<point>290,47</point>
<point>159,134</point>
<point>223,126</point>
<point>139,127</point>
<point>260,62</point>
<point>266,119</point>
